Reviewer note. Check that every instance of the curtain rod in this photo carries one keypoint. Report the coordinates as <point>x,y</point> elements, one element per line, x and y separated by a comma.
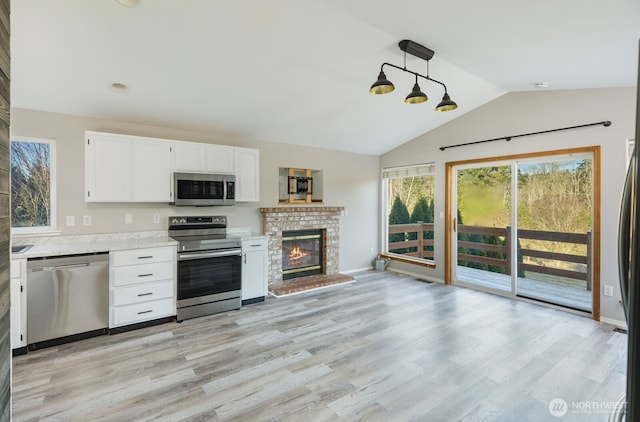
<point>605,123</point>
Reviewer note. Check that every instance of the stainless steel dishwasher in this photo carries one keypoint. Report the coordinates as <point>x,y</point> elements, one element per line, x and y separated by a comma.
<point>67,298</point>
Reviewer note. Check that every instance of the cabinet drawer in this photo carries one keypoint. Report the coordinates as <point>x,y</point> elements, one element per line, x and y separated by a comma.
<point>139,312</point>
<point>142,256</point>
<point>142,293</point>
<point>254,245</point>
<point>135,274</point>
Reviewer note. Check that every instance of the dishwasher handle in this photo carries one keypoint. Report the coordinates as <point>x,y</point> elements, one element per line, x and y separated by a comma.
<point>61,267</point>
<point>66,262</point>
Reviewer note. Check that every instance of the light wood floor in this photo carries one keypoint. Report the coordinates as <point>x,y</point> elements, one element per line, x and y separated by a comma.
<point>387,347</point>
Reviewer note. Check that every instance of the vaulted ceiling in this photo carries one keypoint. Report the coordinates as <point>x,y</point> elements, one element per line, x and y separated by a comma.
<point>298,71</point>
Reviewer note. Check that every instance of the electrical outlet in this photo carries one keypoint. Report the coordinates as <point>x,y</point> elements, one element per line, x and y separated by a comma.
<point>608,291</point>
<point>86,220</point>
<point>71,220</point>
<point>128,219</point>
<point>156,218</point>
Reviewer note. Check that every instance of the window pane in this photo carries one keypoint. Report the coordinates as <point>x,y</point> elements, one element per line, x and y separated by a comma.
<point>411,216</point>
<point>30,184</point>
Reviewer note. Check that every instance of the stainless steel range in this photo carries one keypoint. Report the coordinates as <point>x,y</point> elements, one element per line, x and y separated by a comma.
<point>209,265</point>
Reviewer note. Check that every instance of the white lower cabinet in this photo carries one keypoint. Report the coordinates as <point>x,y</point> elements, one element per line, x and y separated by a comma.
<point>254,270</point>
<point>18,303</point>
<point>142,285</point>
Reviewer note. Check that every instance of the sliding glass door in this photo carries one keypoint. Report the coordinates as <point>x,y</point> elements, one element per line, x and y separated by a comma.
<point>524,227</point>
<point>483,218</point>
<point>555,214</point>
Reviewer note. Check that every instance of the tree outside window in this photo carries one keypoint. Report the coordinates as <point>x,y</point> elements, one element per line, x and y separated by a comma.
<point>32,182</point>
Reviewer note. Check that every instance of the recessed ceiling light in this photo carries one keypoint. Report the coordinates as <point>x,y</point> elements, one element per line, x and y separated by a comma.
<point>129,3</point>
<point>541,85</point>
<point>119,88</point>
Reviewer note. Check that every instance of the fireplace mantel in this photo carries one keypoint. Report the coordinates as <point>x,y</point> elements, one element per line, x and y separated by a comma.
<point>301,209</point>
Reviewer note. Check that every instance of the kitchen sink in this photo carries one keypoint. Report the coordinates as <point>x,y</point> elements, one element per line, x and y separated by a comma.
<point>20,248</point>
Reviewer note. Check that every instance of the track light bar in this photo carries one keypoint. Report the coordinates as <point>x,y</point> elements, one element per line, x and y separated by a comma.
<point>383,86</point>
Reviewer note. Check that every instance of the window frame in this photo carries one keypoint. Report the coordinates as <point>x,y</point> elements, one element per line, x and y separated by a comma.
<point>51,229</point>
<point>397,172</point>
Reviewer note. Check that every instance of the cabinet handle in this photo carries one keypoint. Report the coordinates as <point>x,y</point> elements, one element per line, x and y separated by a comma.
<point>245,258</point>
<point>145,257</point>
<point>255,246</point>
<point>145,294</point>
<point>145,275</point>
<point>145,312</point>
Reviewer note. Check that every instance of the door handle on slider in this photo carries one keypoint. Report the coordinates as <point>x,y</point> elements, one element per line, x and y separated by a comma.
<point>455,225</point>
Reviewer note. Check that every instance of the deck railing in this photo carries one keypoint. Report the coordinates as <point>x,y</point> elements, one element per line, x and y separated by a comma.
<point>423,247</point>
<point>416,245</point>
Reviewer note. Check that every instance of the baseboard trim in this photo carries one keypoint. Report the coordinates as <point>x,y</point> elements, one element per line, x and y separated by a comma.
<point>412,274</point>
<point>614,322</point>
<point>357,270</point>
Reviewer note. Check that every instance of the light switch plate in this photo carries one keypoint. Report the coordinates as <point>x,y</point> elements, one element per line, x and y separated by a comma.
<point>128,219</point>
<point>608,291</point>
<point>71,220</point>
<point>86,220</point>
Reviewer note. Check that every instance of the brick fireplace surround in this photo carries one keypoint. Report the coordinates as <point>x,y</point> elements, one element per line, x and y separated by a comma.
<point>279,219</point>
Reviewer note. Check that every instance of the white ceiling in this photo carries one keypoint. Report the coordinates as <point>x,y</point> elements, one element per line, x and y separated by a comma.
<point>298,71</point>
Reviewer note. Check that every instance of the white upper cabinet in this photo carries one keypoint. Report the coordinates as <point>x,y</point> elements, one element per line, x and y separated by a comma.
<point>220,159</point>
<point>199,157</point>
<point>151,170</point>
<point>120,168</point>
<point>247,170</point>
<point>124,168</point>
<point>190,156</point>
<point>107,168</point>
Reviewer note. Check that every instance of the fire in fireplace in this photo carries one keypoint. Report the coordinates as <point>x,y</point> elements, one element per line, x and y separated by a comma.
<point>302,253</point>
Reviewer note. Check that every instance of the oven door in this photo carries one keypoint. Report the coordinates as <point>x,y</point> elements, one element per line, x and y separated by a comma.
<point>207,276</point>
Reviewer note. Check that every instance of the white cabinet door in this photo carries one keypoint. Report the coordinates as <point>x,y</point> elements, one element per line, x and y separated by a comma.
<point>18,303</point>
<point>247,171</point>
<point>107,168</point>
<point>190,156</point>
<point>151,171</point>
<point>254,269</point>
<point>220,159</point>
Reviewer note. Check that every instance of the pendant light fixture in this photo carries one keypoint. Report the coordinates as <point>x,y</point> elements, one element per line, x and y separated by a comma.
<point>416,96</point>
<point>382,85</point>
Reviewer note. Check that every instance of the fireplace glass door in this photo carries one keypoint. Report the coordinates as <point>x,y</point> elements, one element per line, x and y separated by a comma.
<point>302,253</point>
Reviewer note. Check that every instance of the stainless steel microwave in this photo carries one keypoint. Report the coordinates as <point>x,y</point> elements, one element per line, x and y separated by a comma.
<point>204,189</point>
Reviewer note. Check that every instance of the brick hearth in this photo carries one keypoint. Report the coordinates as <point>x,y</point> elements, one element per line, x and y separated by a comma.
<point>279,219</point>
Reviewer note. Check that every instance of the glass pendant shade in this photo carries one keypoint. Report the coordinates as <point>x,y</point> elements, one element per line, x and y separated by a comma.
<point>416,96</point>
<point>382,85</point>
<point>446,104</point>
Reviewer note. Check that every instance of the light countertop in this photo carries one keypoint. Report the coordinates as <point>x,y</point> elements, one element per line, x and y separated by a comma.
<point>73,245</point>
<point>95,243</point>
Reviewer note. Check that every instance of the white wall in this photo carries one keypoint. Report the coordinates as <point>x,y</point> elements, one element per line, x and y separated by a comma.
<point>350,180</point>
<point>524,112</point>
